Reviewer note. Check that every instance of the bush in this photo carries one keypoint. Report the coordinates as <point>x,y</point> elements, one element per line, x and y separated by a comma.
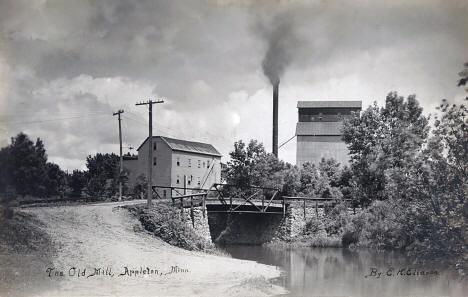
<point>321,239</point>
<point>381,226</point>
<point>327,231</point>
<point>165,222</point>
<point>313,226</point>
<point>336,219</point>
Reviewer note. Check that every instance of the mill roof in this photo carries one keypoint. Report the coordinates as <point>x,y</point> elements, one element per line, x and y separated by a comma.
<point>187,146</point>
<point>329,104</point>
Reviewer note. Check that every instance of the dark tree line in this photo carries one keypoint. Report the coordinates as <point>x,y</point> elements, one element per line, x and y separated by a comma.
<point>25,172</point>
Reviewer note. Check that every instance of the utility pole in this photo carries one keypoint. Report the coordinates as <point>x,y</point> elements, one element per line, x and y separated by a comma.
<point>121,163</point>
<point>150,103</point>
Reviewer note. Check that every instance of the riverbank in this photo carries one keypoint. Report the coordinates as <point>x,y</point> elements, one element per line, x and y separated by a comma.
<point>378,228</point>
<point>103,236</point>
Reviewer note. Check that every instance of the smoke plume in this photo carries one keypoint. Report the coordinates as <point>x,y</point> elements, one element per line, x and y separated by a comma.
<point>281,40</point>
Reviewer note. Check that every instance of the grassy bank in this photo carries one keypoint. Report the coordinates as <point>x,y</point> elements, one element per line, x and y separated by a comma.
<point>26,250</point>
<point>165,221</point>
<point>21,232</point>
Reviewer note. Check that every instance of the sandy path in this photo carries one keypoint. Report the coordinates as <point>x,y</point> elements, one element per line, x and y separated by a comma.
<point>103,236</point>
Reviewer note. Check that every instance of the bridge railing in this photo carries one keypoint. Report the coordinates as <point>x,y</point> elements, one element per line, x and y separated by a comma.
<point>178,190</point>
<point>190,200</point>
<point>235,197</point>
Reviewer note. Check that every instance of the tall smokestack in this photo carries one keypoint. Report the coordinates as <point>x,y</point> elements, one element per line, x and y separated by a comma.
<point>275,118</point>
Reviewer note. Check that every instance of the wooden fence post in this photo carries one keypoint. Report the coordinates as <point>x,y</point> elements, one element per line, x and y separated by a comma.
<point>191,211</point>
<point>284,206</point>
<point>204,204</point>
<point>182,208</point>
<point>263,201</point>
<point>304,208</point>
<point>316,208</point>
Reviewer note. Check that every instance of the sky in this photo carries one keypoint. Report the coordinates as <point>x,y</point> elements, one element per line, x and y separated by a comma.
<point>66,66</point>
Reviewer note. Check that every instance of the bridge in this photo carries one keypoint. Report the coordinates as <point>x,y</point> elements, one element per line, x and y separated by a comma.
<point>246,214</point>
<point>230,198</point>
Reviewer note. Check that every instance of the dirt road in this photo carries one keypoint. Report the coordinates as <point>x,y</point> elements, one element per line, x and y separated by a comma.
<point>102,251</point>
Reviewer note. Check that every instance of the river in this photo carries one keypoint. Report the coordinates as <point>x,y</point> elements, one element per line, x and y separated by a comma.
<point>340,272</point>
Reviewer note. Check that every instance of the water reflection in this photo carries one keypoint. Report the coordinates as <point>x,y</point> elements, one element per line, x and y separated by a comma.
<point>340,272</point>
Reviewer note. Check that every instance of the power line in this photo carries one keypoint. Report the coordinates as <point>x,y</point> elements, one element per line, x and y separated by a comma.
<point>17,114</point>
<point>135,120</point>
<point>178,133</point>
<point>204,132</point>
<point>53,120</point>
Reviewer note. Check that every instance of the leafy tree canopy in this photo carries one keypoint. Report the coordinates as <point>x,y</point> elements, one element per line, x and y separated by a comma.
<point>384,142</point>
<point>25,169</point>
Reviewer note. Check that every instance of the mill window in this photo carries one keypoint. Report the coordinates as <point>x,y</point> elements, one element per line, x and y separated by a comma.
<point>154,161</point>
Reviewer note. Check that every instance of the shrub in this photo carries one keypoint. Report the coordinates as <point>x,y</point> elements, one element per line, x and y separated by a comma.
<point>165,221</point>
<point>327,231</point>
<point>313,226</point>
<point>336,219</point>
<point>382,226</point>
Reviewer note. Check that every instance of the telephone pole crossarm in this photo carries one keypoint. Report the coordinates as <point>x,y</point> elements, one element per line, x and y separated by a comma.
<point>149,102</point>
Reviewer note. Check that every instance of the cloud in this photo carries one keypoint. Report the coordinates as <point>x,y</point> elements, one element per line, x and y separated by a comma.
<point>66,66</point>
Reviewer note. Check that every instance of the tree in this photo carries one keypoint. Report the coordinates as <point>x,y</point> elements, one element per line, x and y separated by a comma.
<point>140,188</point>
<point>385,144</point>
<point>102,176</point>
<point>6,169</point>
<point>322,180</point>
<point>447,205</point>
<point>463,76</point>
<point>55,181</point>
<point>251,165</point>
<point>25,170</point>
<point>77,182</point>
<point>25,166</point>
<point>96,187</point>
<point>242,168</point>
<point>102,164</point>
